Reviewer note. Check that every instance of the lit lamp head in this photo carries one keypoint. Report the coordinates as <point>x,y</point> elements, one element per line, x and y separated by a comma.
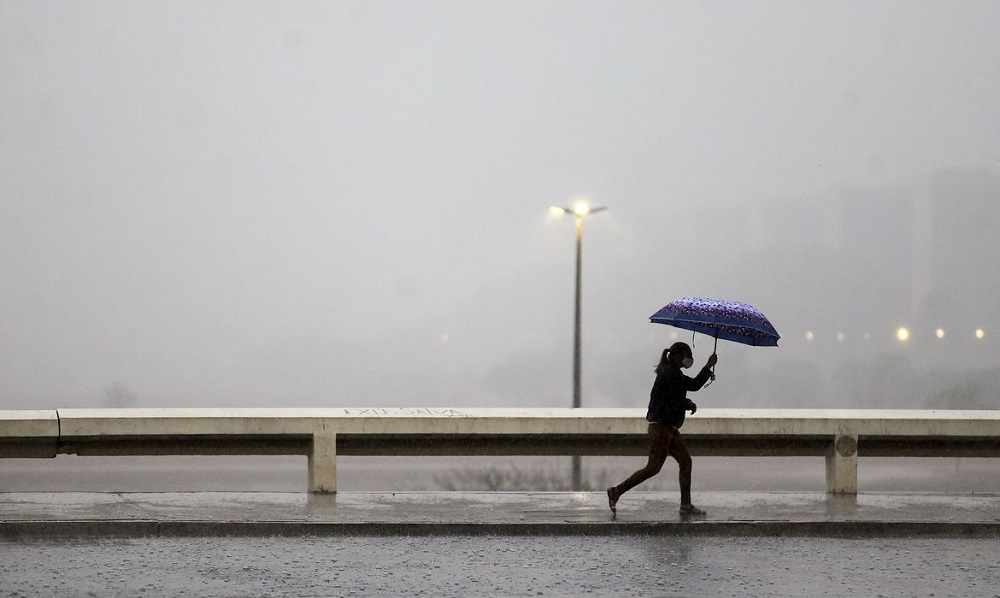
<point>580,209</point>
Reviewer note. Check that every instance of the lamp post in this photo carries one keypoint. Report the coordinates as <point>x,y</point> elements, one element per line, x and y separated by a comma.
<point>580,210</point>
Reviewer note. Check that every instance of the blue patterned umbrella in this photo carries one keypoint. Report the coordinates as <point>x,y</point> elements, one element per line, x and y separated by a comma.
<point>728,320</point>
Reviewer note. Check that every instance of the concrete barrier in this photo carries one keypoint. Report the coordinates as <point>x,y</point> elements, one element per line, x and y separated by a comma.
<point>29,434</point>
<point>841,436</point>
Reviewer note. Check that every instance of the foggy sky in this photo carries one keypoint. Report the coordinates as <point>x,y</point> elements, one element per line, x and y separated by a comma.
<point>346,203</point>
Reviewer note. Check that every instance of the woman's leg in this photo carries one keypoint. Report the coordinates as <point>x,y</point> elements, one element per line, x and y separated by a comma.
<point>659,446</point>
<point>679,451</point>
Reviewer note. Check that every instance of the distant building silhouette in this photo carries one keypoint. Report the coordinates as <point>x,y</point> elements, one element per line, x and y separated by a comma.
<point>856,264</point>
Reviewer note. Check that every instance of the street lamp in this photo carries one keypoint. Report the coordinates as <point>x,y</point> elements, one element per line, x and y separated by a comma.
<point>580,210</point>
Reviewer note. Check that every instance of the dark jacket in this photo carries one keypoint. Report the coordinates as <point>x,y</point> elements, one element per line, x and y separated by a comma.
<point>668,400</point>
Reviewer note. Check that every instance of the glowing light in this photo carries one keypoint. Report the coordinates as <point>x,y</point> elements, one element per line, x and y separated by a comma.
<point>939,332</point>
<point>840,336</point>
<point>809,335</point>
<point>903,334</point>
<point>980,333</point>
<point>580,209</point>
<point>445,337</point>
<point>868,336</point>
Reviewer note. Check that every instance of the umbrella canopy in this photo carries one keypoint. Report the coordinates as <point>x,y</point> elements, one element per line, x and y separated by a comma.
<point>718,318</point>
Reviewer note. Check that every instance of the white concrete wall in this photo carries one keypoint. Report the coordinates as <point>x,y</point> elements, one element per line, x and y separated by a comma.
<point>277,421</point>
<point>29,424</point>
<point>840,430</point>
<point>29,433</point>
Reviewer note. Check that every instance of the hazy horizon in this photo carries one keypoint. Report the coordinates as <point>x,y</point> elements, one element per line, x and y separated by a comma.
<point>346,203</point>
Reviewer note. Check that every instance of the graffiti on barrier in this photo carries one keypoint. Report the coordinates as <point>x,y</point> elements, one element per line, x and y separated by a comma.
<point>404,411</point>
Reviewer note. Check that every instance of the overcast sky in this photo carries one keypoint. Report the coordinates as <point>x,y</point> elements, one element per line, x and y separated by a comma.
<point>346,203</point>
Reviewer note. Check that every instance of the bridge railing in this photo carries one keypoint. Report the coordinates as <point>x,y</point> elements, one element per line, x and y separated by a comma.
<point>839,435</point>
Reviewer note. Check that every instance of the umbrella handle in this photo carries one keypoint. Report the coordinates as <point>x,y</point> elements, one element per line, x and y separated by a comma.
<point>714,348</point>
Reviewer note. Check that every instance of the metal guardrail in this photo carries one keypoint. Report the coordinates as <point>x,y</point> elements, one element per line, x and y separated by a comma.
<point>841,436</point>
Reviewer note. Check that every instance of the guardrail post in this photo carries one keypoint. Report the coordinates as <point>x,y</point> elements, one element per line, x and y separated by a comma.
<point>842,465</point>
<point>323,463</point>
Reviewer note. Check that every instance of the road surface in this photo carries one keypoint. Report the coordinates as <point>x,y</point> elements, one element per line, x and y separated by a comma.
<point>503,566</point>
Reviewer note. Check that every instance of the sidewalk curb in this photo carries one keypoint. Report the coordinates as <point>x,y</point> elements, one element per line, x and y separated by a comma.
<point>89,529</point>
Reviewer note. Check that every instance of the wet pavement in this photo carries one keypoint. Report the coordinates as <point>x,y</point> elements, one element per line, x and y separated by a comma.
<point>90,514</point>
<point>483,565</point>
<point>500,544</point>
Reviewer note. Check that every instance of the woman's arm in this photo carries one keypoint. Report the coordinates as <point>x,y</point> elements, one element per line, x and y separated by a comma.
<point>706,372</point>
<point>698,381</point>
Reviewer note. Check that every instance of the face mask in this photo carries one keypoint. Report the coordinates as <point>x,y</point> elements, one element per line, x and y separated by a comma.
<point>688,362</point>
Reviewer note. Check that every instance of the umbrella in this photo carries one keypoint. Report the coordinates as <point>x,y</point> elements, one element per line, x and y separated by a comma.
<point>728,320</point>
<point>718,318</point>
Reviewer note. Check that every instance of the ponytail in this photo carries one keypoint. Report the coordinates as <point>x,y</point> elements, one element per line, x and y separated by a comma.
<point>676,352</point>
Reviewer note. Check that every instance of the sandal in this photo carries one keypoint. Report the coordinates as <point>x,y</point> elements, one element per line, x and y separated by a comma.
<point>613,496</point>
<point>691,510</point>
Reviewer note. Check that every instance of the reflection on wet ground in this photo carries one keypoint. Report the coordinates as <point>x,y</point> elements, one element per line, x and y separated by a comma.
<point>376,474</point>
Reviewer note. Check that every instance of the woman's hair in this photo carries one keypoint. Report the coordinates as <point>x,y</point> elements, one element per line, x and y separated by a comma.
<point>675,353</point>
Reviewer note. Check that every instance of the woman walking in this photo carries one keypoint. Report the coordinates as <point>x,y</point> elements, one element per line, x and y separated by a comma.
<point>667,404</point>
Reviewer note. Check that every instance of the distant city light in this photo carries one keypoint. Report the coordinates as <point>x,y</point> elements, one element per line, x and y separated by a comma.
<point>840,336</point>
<point>939,332</point>
<point>809,335</point>
<point>980,333</point>
<point>903,334</point>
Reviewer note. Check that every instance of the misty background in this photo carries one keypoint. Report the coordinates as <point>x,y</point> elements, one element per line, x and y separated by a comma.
<point>338,204</point>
